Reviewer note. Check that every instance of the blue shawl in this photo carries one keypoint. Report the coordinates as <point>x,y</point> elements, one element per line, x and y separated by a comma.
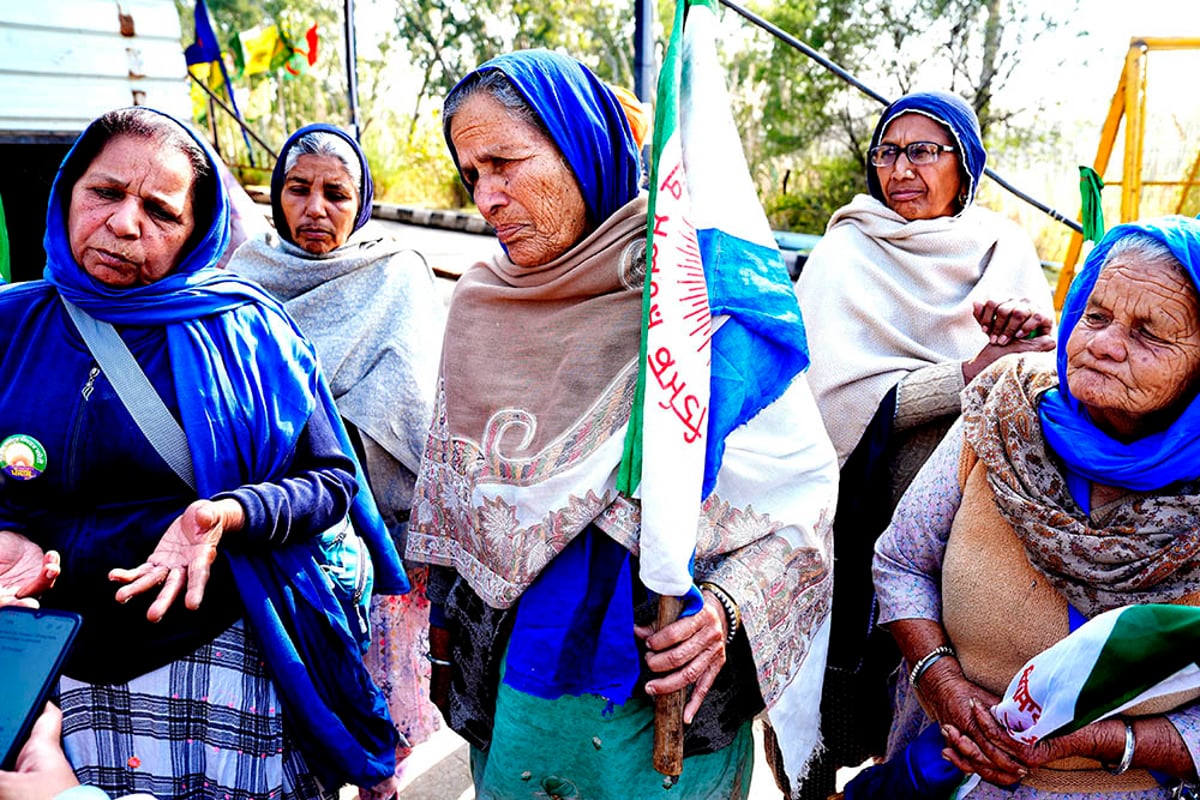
<point>366,187</point>
<point>1151,462</point>
<point>242,416</point>
<point>583,117</point>
<point>956,116</point>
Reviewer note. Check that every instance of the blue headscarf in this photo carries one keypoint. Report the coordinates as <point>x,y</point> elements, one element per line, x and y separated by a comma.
<point>242,417</point>
<point>953,113</point>
<point>366,187</point>
<point>583,118</point>
<point>1153,461</point>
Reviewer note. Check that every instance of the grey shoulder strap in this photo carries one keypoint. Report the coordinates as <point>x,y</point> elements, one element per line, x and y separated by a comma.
<point>135,391</point>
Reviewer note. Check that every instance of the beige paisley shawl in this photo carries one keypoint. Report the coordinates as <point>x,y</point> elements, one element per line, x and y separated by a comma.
<point>1141,548</point>
<point>538,376</point>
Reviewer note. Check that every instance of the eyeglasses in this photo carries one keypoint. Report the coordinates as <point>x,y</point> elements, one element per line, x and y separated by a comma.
<point>919,153</point>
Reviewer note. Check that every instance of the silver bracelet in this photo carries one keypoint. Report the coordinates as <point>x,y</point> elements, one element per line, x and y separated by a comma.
<point>926,662</point>
<point>437,662</point>
<point>1127,755</point>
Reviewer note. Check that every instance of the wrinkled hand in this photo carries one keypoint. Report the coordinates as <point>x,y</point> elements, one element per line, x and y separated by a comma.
<point>951,700</point>
<point>995,743</point>
<point>183,557</point>
<point>691,650</point>
<point>1015,318</point>
<point>991,352</point>
<point>25,571</point>
<point>42,769</point>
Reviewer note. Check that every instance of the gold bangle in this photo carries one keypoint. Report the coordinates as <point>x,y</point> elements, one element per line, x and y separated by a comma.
<point>733,616</point>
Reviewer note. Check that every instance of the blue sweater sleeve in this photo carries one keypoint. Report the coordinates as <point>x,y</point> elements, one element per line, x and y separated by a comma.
<point>312,497</point>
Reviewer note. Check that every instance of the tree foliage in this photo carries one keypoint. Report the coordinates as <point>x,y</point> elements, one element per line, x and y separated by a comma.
<point>815,125</point>
<point>805,131</point>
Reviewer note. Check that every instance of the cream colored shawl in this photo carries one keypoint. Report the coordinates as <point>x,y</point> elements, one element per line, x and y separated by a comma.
<point>883,296</point>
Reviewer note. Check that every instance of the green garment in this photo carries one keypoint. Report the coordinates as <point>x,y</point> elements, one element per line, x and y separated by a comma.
<point>5,268</point>
<point>581,747</point>
<point>1090,185</point>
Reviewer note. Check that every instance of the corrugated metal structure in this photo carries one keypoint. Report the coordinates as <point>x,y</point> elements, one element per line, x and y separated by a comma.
<point>64,62</point>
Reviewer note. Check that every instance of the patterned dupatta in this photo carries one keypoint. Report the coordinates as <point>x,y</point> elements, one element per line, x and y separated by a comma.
<point>1141,548</point>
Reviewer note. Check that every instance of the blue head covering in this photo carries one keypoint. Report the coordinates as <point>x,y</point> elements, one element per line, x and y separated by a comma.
<point>242,417</point>
<point>953,113</point>
<point>1151,462</point>
<point>366,187</point>
<point>583,118</point>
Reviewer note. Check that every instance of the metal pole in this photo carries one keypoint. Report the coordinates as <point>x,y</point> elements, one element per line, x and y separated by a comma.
<point>236,118</point>
<point>352,68</point>
<point>643,50</point>
<point>869,92</point>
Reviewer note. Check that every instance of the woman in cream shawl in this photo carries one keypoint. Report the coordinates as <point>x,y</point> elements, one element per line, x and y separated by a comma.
<point>541,637</point>
<point>910,293</point>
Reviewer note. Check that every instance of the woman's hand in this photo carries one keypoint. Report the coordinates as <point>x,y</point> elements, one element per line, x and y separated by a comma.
<point>183,556</point>
<point>1015,318</point>
<point>42,768</point>
<point>691,649</point>
<point>1103,741</point>
<point>439,676</point>
<point>25,571</point>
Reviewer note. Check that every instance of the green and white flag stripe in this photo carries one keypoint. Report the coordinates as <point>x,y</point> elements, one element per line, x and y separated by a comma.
<point>1111,663</point>
<point>667,442</point>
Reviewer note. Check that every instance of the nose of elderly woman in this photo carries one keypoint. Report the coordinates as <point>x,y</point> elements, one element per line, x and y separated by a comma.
<point>490,193</point>
<point>123,221</point>
<point>1108,343</point>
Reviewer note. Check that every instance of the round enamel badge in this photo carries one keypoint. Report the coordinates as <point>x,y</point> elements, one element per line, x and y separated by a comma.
<point>22,457</point>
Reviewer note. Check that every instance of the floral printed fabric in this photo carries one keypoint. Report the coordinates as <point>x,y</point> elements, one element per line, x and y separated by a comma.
<point>1141,548</point>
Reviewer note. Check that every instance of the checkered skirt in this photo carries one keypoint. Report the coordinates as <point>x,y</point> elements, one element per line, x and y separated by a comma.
<point>207,726</point>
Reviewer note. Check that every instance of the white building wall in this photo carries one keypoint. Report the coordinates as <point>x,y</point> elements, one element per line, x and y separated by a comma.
<point>65,62</point>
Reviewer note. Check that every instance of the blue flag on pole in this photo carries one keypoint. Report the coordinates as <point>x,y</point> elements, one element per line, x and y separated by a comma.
<point>205,49</point>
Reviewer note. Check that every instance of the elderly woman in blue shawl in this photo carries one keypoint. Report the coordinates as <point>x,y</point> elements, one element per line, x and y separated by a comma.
<point>1066,490</point>
<point>913,289</point>
<point>222,582</point>
<point>543,656</point>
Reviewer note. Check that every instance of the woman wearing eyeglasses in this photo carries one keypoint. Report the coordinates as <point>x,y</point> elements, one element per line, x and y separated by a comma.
<point>911,292</point>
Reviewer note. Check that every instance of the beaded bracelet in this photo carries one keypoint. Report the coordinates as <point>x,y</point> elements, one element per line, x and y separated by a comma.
<point>927,661</point>
<point>732,615</point>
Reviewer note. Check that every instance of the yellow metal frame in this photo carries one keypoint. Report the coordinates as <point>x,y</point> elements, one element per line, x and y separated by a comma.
<point>1129,102</point>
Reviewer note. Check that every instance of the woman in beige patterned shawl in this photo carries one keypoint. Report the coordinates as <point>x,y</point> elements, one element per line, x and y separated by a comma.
<point>517,486</point>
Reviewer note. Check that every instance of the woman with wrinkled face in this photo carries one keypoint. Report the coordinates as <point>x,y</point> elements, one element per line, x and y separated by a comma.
<point>544,653</point>
<point>371,308</point>
<point>182,682</point>
<point>1073,487</point>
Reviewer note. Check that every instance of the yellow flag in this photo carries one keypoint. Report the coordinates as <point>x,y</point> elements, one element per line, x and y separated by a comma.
<point>260,47</point>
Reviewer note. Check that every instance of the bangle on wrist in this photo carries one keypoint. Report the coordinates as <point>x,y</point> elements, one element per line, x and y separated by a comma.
<point>733,616</point>
<point>1127,754</point>
<point>437,662</point>
<point>926,661</point>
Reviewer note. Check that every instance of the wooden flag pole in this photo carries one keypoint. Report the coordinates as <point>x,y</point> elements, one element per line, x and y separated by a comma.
<point>668,709</point>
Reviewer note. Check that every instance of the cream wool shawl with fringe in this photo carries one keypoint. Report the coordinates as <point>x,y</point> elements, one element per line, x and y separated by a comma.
<point>883,296</point>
